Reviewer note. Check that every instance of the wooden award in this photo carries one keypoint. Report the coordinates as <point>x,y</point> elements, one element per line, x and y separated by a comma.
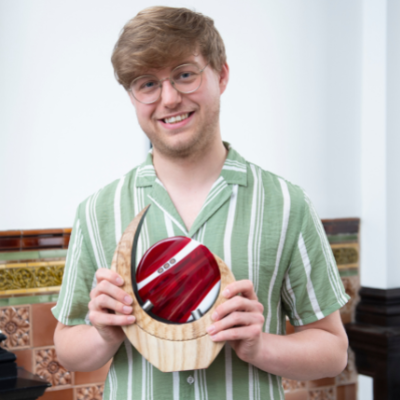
<point>175,290</point>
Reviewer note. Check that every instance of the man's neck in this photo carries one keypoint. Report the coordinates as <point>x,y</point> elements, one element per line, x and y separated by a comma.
<point>188,180</point>
<point>191,171</point>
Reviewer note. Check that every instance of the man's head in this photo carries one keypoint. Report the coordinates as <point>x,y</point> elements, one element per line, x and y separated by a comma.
<point>159,36</point>
<point>151,61</point>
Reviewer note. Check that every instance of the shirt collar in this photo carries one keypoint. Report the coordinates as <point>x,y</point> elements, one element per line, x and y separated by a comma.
<point>234,170</point>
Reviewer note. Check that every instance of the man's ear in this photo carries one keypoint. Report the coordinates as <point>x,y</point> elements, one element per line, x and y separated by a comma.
<point>223,78</point>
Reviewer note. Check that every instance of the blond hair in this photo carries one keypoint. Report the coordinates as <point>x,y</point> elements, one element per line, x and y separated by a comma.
<point>159,36</point>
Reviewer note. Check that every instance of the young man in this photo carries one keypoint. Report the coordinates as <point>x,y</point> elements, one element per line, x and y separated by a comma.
<point>172,63</point>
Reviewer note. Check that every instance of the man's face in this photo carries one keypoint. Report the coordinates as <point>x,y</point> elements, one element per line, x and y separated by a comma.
<point>197,125</point>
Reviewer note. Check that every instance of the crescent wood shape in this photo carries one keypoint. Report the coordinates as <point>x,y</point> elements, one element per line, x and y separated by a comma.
<point>169,347</point>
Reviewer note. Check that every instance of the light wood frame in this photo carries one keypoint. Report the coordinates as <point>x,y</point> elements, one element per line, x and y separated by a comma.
<point>169,347</point>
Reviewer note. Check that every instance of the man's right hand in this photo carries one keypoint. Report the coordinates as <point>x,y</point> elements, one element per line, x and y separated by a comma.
<point>85,347</point>
<point>107,299</point>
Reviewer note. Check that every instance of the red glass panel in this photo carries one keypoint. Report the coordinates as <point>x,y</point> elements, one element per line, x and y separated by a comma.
<point>176,286</point>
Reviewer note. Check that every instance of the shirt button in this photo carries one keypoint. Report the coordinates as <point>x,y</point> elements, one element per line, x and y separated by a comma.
<point>190,380</point>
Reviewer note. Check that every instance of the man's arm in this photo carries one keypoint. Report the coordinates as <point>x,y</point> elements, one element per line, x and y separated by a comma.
<point>89,347</point>
<point>314,351</point>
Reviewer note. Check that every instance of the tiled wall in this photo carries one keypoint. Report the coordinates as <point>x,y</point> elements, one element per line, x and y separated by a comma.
<point>30,329</point>
<point>27,293</point>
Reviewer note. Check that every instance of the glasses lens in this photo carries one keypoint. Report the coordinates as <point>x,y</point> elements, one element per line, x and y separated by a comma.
<point>187,78</point>
<point>146,88</point>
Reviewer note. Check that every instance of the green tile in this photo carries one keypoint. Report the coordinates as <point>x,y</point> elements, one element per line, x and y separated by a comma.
<point>58,253</point>
<point>4,302</point>
<point>348,272</point>
<point>19,255</point>
<point>17,301</point>
<point>33,255</point>
<point>344,238</point>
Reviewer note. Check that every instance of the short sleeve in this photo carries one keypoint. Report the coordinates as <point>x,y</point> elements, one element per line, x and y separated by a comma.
<point>78,278</point>
<point>312,288</point>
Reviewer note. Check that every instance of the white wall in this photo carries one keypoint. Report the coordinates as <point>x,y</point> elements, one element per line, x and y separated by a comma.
<point>380,145</point>
<point>67,128</point>
<point>393,142</point>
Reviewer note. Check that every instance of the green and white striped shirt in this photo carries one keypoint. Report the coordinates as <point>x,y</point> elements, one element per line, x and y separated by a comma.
<point>262,226</point>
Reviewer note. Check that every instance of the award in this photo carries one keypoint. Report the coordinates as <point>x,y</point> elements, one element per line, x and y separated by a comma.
<point>175,289</point>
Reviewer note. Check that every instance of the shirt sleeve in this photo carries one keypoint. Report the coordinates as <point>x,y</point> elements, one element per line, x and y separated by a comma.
<point>78,278</point>
<point>312,288</point>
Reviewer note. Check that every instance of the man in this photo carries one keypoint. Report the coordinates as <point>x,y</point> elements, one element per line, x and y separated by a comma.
<point>172,63</point>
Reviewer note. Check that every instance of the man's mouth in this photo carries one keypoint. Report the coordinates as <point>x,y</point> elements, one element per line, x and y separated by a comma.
<point>177,118</point>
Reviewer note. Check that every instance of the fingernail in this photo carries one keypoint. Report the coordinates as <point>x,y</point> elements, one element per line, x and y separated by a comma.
<point>215,316</point>
<point>127,309</point>
<point>213,337</point>
<point>119,281</point>
<point>226,292</point>
<point>211,329</point>
<point>128,300</point>
<point>130,319</point>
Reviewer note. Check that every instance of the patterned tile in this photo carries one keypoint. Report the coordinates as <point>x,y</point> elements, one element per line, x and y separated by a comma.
<point>15,324</point>
<point>323,394</point>
<point>352,286</point>
<point>289,384</point>
<point>48,367</point>
<point>94,392</point>
<point>346,254</point>
<point>349,375</point>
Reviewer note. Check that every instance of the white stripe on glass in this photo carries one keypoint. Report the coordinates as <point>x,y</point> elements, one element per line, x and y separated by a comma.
<point>191,246</point>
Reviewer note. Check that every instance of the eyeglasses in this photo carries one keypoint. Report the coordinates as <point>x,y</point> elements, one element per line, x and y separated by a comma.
<point>185,79</point>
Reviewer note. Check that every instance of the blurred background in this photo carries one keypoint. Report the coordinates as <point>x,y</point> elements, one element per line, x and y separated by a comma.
<point>313,97</point>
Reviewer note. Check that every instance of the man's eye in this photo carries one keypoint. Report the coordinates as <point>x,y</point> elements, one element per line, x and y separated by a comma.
<point>148,85</point>
<point>185,75</point>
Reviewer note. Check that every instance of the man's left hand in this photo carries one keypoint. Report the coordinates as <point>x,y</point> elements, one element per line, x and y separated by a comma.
<point>239,320</point>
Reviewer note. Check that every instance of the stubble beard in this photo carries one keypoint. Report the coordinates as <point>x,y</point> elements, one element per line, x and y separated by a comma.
<point>197,144</point>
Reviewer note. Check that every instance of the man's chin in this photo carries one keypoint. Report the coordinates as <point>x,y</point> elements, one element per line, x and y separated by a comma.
<point>176,149</point>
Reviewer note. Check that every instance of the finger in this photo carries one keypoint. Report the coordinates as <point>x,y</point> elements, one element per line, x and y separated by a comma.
<point>109,275</point>
<point>244,287</point>
<point>239,333</point>
<point>234,320</point>
<point>108,288</point>
<point>98,318</point>
<point>237,303</point>
<point>104,302</point>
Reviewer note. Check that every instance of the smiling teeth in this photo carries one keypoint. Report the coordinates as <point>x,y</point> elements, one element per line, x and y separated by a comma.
<point>176,119</point>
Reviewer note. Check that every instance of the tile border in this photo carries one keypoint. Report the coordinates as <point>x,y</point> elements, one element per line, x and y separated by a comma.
<point>39,239</point>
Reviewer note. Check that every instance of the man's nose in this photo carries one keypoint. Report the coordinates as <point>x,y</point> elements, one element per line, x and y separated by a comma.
<point>170,97</point>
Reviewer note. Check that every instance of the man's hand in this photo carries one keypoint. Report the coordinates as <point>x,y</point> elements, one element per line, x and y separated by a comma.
<point>107,298</point>
<point>98,343</point>
<point>314,351</point>
<point>239,320</point>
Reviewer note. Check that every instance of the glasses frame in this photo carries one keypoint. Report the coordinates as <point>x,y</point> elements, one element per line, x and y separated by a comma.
<point>160,82</point>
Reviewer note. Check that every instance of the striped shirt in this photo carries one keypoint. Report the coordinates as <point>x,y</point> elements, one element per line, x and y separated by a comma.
<point>263,227</point>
